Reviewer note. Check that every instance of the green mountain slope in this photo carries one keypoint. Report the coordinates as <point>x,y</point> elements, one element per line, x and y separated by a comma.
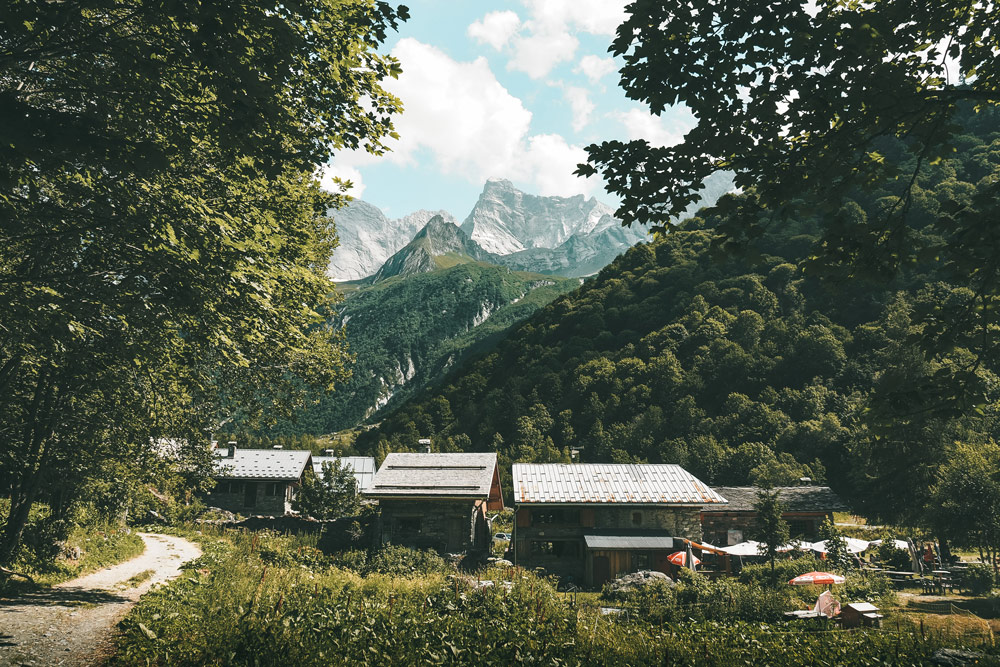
<point>738,370</point>
<point>407,331</point>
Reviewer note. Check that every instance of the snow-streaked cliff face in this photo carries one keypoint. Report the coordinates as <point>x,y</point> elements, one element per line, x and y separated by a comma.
<point>368,238</point>
<point>506,220</point>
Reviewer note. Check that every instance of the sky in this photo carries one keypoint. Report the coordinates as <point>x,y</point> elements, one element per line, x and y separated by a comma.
<point>511,90</point>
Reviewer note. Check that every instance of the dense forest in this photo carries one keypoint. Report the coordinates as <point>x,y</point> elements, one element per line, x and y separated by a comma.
<point>743,368</point>
<point>407,331</point>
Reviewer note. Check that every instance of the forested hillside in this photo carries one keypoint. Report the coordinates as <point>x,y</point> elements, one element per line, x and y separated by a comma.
<point>739,368</point>
<point>406,331</point>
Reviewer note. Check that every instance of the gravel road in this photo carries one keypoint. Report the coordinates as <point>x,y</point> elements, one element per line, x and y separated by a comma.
<point>72,623</point>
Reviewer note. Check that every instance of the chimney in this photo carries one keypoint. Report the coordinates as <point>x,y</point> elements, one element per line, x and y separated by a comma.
<point>277,447</point>
<point>328,452</point>
<point>231,454</point>
<point>425,445</point>
<point>805,481</point>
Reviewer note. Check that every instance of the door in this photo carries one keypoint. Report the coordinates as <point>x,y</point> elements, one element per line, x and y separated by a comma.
<point>250,494</point>
<point>602,570</point>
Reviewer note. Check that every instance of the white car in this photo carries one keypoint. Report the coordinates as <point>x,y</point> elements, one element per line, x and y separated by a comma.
<point>502,537</point>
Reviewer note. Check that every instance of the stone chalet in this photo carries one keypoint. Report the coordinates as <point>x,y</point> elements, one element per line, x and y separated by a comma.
<point>436,501</point>
<point>257,481</point>
<point>806,508</point>
<point>594,522</point>
<point>363,467</point>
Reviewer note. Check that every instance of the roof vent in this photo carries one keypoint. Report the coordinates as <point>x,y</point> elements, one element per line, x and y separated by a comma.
<point>328,452</point>
<point>231,454</point>
<point>425,445</point>
<point>277,447</point>
<point>805,481</point>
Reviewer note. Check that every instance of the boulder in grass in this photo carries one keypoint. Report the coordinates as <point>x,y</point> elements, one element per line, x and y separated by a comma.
<point>636,580</point>
<point>956,657</point>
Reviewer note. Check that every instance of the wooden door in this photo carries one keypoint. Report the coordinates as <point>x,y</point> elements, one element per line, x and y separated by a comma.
<point>249,494</point>
<point>602,570</point>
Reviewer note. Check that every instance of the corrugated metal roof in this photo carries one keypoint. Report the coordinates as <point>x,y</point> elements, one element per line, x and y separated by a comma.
<point>794,498</point>
<point>363,467</point>
<point>628,542</point>
<point>635,483</point>
<point>447,475</point>
<point>283,464</point>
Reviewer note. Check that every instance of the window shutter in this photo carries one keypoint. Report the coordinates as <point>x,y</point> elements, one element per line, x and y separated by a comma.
<point>523,517</point>
<point>587,517</point>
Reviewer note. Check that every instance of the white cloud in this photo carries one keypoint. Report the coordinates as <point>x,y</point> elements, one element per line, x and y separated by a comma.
<point>495,29</point>
<point>657,130</point>
<point>345,173</point>
<point>580,105</point>
<point>595,68</point>
<point>548,37</point>
<point>457,115</point>
<point>538,53</point>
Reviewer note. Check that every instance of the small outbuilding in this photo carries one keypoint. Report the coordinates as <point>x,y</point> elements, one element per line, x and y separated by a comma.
<point>860,614</point>
<point>806,508</point>
<point>257,481</point>
<point>437,501</point>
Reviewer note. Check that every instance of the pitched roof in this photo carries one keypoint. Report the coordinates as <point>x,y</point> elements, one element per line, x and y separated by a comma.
<point>363,467</point>
<point>439,475</point>
<point>636,483</point>
<point>279,464</point>
<point>794,498</point>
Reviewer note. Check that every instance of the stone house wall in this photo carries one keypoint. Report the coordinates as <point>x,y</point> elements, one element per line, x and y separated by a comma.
<point>450,526</point>
<point>270,498</point>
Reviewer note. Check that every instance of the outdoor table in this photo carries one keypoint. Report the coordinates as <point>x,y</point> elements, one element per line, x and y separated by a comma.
<point>943,580</point>
<point>899,575</point>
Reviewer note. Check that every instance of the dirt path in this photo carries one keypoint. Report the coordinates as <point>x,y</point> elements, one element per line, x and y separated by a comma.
<point>70,624</point>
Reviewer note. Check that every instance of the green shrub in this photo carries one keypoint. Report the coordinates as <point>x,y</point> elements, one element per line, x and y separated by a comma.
<point>784,570</point>
<point>979,579</point>
<point>867,587</point>
<point>402,561</point>
<point>891,557</point>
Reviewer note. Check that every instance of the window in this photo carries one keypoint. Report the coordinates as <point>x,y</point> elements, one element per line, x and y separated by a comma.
<point>556,548</point>
<point>555,515</point>
<point>640,560</point>
<point>221,487</point>
<point>272,489</point>
<point>800,528</point>
<point>408,524</point>
<point>636,518</point>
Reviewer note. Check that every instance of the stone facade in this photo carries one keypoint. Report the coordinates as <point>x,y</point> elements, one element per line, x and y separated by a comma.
<point>727,528</point>
<point>449,526</point>
<point>269,498</point>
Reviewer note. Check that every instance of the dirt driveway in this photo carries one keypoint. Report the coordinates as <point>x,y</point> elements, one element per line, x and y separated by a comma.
<point>71,623</point>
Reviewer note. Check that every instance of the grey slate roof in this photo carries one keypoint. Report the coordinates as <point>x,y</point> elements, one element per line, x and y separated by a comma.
<point>795,499</point>
<point>276,464</point>
<point>628,542</point>
<point>363,467</point>
<point>439,475</point>
<point>636,483</point>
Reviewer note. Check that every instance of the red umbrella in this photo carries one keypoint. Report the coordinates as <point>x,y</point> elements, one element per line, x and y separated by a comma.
<point>818,578</point>
<point>680,558</point>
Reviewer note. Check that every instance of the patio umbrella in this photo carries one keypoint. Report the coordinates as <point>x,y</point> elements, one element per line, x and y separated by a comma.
<point>748,548</point>
<point>680,558</point>
<point>692,562</point>
<point>854,546</point>
<point>817,578</point>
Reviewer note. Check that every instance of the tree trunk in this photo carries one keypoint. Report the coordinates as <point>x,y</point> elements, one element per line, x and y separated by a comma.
<point>20,506</point>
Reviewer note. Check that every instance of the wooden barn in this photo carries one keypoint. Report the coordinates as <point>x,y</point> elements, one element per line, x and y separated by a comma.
<point>594,522</point>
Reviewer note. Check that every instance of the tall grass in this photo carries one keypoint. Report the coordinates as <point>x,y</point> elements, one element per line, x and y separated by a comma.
<point>263,600</point>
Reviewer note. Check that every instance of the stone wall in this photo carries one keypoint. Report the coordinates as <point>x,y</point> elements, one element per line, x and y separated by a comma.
<point>234,500</point>
<point>445,525</point>
<point>675,521</point>
<point>716,525</point>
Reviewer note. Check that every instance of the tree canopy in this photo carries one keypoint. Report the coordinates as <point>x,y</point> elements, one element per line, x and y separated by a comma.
<point>163,237</point>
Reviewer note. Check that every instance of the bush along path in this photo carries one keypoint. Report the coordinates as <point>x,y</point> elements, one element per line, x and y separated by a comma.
<point>70,623</point>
